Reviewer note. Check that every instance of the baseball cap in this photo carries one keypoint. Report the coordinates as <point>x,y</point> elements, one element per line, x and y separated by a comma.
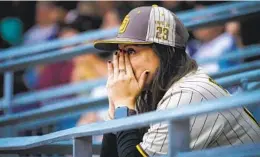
<point>147,25</point>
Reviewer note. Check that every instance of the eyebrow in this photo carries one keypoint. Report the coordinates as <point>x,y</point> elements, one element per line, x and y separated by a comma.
<point>127,46</point>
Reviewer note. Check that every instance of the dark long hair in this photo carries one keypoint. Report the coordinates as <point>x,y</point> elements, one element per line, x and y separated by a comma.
<point>174,64</point>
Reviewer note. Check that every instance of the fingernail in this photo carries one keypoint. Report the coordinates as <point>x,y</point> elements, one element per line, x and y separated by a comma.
<point>109,61</point>
<point>116,53</point>
<point>147,72</point>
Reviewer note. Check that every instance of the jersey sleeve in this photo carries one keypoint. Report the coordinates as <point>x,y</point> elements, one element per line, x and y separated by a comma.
<point>203,128</point>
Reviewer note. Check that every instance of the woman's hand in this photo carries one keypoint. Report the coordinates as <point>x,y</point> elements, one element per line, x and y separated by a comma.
<point>123,86</point>
<point>111,108</point>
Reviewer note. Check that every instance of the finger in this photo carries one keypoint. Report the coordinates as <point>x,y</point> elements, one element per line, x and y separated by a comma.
<point>121,64</point>
<point>142,79</point>
<point>115,64</point>
<point>110,69</point>
<point>128,66</point>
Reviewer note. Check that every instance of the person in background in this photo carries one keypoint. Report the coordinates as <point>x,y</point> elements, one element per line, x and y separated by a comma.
<point>88,12</point>
<point>107,10</point>
<point>51,75</point>
<point>63,8</point>
<point>234,28</point>
<point>211,41</point>
<point>73,70</point>
<point>46,27</point>
<point>93,66</point>
<point>79,68</point>
<point>175,6</point>
<point>58,73</point>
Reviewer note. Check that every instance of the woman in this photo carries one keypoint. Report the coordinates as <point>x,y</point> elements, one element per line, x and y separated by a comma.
<point>151,71</point>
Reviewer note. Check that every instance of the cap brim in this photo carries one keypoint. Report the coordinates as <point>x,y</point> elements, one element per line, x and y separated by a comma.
<point>112,44</point>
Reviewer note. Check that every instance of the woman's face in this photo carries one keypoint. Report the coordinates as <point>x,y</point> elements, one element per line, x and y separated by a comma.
<point>142,58</point>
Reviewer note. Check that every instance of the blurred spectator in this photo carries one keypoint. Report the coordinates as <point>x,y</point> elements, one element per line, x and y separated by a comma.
<point>176,6</point>
<point>88,67</point>
<point>211,41</point>
<point>58,73</point>
<point>46,27</point>
<point>63,8</point>
<point>80,68</point>
<point>233,28</point>
<point>123,7</point>
<point>50,75</point>
<point>107,10</point>
<point>88,12</point>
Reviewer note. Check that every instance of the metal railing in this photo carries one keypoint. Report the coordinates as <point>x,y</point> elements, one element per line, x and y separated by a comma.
<point>236,69</point>
<point>73,107</point>
<point>70,89</point>
<point>21,57</point>
<point>30,97</point>
<point>82,136</point>
<point>192,19</point>
<point>178,141</point>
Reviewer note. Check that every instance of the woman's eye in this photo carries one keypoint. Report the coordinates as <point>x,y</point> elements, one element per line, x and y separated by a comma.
<point>130,51</point>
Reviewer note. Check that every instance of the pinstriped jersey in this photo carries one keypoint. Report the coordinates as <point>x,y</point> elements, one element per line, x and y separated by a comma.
<point>228,127</point>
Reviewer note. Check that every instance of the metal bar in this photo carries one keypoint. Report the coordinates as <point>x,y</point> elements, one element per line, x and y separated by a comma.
<point>76,106</point>
<point>68,89</point>
<point>8,90</point>
<point>55,119</point>
<point>242,99</point>
<point>51,120</point>
<point>59,55</point>
<point>236,69</point>
<point>253,86</point>
<point>82,147</point>
<point>213,19</point>
<point>186,16</point>
<point>50,57</point>
<point>29,97</point>
<point>54,44</point>
<point>244,83</point>
<point>235,79</point>
<point>8,93</point>
<point>65,107</point>
<point>62,148</point>
<point>179,137</point>
<point>218,8</point>
<point>249,51</point>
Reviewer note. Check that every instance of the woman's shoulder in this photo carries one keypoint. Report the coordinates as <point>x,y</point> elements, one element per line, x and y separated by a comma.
<point>199,83</point>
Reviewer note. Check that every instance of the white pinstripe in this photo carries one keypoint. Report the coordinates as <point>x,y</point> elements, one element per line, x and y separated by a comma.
<point>209,130</point>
